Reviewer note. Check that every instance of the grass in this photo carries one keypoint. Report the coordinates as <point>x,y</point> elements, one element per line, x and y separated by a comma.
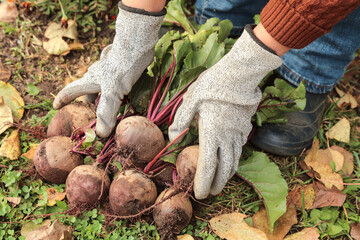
<point>29,63</point>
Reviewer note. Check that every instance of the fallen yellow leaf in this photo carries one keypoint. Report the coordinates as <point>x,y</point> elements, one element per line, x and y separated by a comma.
<point>185,237</point>
<point>232,227</point>
<point>30,153</point>
<point>283,224</point>
<point>340,131</point>
<point>305,234</point>
<point>10,148</point>
<point>345,99</point>
<point>306,193</point>
<point>348,166</point>
<point>56,231</point>
<point>8,11</point>
<point>13,200</point>
<point>6,118</point>
<point>52,196</point>
<point>12,99</point>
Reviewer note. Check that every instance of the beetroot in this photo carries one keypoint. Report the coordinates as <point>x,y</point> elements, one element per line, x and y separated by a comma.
<point>83,185</point>
<point>139,136</point>
<point>186,164</point>
<point>130,192</point>
<point>164,177</point>
<point>53,159</point>
<point>173,215</point>
<point>70,117</point>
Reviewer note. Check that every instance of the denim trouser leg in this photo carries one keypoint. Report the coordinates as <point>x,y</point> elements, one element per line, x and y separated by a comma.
<point>321,64</point>
<point>240,12</point>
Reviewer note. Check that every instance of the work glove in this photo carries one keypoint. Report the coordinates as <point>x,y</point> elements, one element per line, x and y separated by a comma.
<point>120,65</point>
<point>225,96</point>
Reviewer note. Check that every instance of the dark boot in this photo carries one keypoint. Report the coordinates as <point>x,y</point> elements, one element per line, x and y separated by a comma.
<point>290,139</point>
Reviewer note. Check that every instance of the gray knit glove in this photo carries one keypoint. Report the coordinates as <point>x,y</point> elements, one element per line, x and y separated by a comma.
<point>226,97</point>
<point>119,67</point>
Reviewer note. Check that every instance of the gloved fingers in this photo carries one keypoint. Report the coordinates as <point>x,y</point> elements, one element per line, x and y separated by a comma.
<point>183,117</point>
<point>74,90</point>
<point>224,167</point>
<point>106,113</point>
<point>105,51</point>
<point>90,98</point>
<point>237,153</point>
<point>207,162</point>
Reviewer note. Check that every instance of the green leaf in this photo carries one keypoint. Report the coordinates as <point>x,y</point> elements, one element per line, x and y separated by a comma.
<point>225,29</point>
<point>32,89</point>
<point>266,178</point>
<point>176,15</point>
<point>90,137</point>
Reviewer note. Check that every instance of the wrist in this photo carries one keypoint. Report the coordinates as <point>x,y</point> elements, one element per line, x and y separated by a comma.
<point>263,36</point>
<point>152,6</point>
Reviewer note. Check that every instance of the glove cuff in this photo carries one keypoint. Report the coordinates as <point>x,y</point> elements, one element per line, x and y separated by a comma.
<point>249,29</point>
<point>141,11</point>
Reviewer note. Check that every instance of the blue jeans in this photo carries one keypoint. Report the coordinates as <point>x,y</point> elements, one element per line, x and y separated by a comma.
<point>321,64</point>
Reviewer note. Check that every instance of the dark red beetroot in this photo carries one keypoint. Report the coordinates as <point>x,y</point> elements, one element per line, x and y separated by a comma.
<point>70,117</point>
<point>139,136</point>
<point>53,159</point>
<point>186,164</point>
<point>173,215</point>
<point>130,192</point>
<point>164,177</point>
<point>83,185</point>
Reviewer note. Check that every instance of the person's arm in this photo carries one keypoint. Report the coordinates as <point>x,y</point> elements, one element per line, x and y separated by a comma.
<point>147,5</point>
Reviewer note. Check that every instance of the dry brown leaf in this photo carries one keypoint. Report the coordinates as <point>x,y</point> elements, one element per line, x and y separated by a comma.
<point>4,73</point>
<point>323,171</point>
<point>348,166</point>
<point>12,99</point>
<point>185,237</point>
<point>56,46</point>
<point>13,200</point>
<point>76,46</point>
<point>6,118</point>
<point>340,131</point>
<point>56,231</point>
<point>30,153</point>
<point>355,231</point>
<point>10,148</point>
<point>329,155</point>
<point>53,195</point>
<point>346,99</point>
<point>30,226</point>
<point>8,11</point>
<point>327,197</point>
<point>55,30</point>
<point>305,234</point>
<point>232,227</point>
<point>283,224</point>
<point>309,194</point>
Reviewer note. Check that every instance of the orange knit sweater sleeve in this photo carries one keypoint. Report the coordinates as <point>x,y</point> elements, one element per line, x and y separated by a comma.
<point>296,23</point>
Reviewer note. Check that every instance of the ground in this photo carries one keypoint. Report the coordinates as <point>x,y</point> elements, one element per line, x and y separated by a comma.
<point>22,55</point>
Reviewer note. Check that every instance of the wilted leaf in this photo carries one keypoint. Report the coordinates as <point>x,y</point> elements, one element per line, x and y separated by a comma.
<point>55,231</point>
<point>283,224</point>
<point>327,197</point>
<point>185,237</point>
<point>76,46</point>
<point>232,227</point>
<point>12,99</point>
<point>329,155</point>
<point>10,148</point>
<point>355,231</point>
<point>346,99</point>
<point>30,153</point>
<point>30,226</point>
<point>57,46</point>
<point>53,195</point>
<point>348,166</point>
<point>340,131</point>
<point>323,171</point>
<point>14,200</point>
<point>8,11</point>
<point>305,234</point>
<point>305,195</point>
<point>266,178</point>
<point>6,118</point>
<point>55,30</point>
<point>4,73</point>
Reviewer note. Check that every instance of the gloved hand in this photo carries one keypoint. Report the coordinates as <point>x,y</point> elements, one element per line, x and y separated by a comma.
<point>226,97</point>
<point>119,67</point>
